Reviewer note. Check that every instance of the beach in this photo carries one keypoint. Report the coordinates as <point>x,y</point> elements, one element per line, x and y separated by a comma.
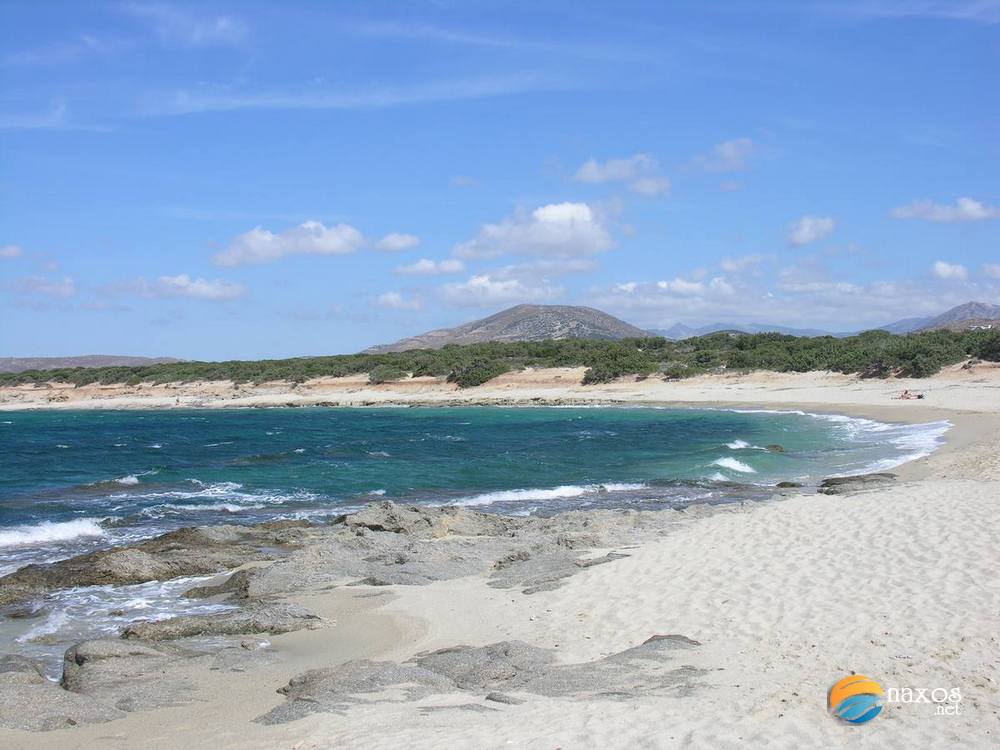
<point>711,627</point>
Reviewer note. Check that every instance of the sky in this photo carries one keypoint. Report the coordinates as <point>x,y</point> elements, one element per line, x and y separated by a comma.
<point>220,180</point>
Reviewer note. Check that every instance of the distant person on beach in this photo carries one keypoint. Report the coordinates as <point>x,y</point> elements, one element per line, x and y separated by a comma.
<point>906,395</point>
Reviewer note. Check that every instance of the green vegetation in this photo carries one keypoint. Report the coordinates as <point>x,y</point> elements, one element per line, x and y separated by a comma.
<point>871,354</point>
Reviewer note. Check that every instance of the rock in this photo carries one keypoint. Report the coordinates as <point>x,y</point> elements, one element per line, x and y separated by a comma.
<point>28,701</point>
<point>504,698</point>
<point>647,669</point>
<point>15,668</point>
<point>774,448</point>
<point>184,552</point>
<point>435,522</point>
<point>237,586</point>
<point>592,561</point>
<point>788,485</point>
<point>844,485</point>
<point>255,618</point>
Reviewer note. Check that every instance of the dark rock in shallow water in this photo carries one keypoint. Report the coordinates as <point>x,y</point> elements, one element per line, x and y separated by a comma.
<point>185,552</point>
<point>844,485</point>
<point>647,669</point>
<point>788,485</point>
<point>254,618</point>
<point>774,448</point>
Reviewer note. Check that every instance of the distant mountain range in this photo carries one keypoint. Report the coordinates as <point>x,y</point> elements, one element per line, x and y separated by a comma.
<point>523,323</point>
<point>20,364</point>
<point>551,322</point>
<point>959,318</point>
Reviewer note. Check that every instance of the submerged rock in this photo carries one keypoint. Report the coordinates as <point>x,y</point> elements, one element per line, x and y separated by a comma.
<point>844,485</point>
<point>774,448</point>
<point>273,618</point>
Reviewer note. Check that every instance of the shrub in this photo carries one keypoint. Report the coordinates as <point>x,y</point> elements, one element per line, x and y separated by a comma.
<point>385,374</point>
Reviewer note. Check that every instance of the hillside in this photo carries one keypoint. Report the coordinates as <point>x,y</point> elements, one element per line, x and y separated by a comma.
<point>960,318</point>
<point>523,323</point>
<point>21,364</point>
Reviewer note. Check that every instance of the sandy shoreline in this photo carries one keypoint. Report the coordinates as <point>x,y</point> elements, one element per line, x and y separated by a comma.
<point>784,598</point>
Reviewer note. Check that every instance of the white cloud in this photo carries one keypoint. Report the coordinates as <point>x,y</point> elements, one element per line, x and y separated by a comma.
<point>428,267</point>
<point>640,171</point>
<point>309,238</point>
<point>949,271</point>
<point>740,264</point>
<point>484,290</point>
<point>558,230</point>
<point>396,301</point>
<point>687,287</point>
<point>650,186</point>
<point>395,242</point>
<point>183,285</point>
<point>728,156</point>
<point>61,288</point>
<point>964,209</point>
<point>992,270</point>
<point>809,229</point>
<point>174,24</point>
<point>11,251</point>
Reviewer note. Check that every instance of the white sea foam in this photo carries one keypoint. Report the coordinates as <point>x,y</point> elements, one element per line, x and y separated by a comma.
<point>376,493</point>
<point>130,479</point>
<point>718,477</point>
<point>737,445</point>
<point>554,493</point>
<point>733,465</point>
<point>49,531</point>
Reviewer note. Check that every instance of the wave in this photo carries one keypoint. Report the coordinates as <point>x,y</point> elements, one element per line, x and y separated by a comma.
<point>50,531</point>
<point>554,493</point>
<point>733,465</point>
<point>130,479</point>
<point>737,445</point>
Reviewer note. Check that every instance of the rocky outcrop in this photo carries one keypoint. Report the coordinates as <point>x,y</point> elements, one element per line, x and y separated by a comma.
<point>185,552</point>
<point>272,618</point>
<point>424,522</point>
<point>493,672</point>
<point>845,485</point>
<point>31,702</point>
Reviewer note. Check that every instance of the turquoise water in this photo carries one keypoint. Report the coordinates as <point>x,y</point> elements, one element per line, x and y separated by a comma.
<point>77,481</point>
<point>71,481</point>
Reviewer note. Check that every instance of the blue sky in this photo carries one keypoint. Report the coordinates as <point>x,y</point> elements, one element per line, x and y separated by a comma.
<point>218,180</point>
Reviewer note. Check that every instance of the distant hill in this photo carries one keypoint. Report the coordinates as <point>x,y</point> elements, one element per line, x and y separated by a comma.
<point>20,364</point>
<point>681,331</point>
<point>523,323</point>
<point>969,315</point>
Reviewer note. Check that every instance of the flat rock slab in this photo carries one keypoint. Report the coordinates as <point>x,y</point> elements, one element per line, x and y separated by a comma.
<point>262,617</point>
<point>844,485</point>
<point>650,668</point>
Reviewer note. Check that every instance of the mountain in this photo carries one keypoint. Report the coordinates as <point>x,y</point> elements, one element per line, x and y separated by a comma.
<point>20,364</point>
<point>523,323</point>
<point>957,319</point>
<point>681,331</point>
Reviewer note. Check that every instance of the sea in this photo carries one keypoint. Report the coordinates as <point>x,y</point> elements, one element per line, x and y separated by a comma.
<point>75,481</point>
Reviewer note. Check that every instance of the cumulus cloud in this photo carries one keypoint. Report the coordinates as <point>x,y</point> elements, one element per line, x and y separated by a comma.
<point>558,230</point>
<point>48,287</point>
<point>728,156</point>
<point>11,251</point>
<point>182,285</point>
<point>640,171</point>
<point>809,229</point>
<point>485,290</point>
<point>260,245</point>
<point>964,209</point>
<point>949,271</point>
<point>395,242</point>
<point>992,270</point>
<point>396,301</point>
<point>427,267</point>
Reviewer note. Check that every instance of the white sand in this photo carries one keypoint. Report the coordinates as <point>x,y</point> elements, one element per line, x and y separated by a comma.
<point>786,597</point>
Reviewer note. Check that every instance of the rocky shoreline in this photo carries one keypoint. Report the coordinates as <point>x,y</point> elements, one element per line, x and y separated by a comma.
<point>268,566</point>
